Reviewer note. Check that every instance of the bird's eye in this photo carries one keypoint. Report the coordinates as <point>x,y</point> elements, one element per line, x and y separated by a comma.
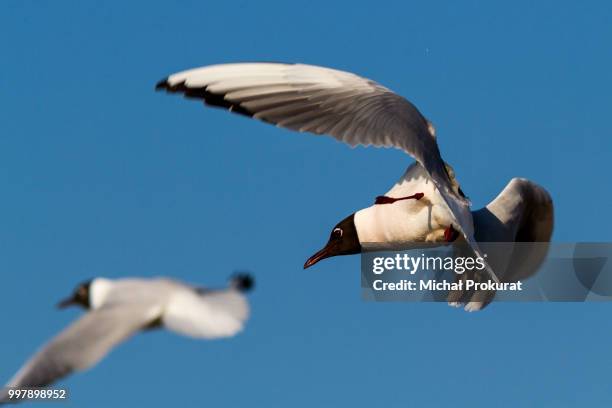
<point>337,233</point>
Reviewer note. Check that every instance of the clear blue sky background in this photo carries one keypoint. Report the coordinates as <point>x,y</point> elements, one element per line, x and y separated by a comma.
<point>101,176</point>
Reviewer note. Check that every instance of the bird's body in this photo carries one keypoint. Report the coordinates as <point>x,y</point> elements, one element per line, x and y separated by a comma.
<point>426,206</point>
<point>407,222</point>
<point>121,308</point>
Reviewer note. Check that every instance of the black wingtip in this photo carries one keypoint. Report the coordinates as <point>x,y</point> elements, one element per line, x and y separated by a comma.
<point>202,93</point>
<point>161,85</point>
<point>244,282</point>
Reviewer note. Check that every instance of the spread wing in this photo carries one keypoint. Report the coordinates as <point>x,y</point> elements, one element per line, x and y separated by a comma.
<point>319,100</point>
<point>207,314</point>
<point>81,345</point>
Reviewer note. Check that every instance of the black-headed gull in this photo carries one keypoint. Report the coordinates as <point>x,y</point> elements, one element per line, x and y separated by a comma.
<point>356,111</point>
<point>118,309</point>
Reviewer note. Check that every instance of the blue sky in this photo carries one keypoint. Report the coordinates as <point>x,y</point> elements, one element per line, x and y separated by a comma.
<point>101,176</point>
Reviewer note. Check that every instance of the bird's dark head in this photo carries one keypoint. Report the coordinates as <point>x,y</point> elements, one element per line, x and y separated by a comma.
<point>243,282</point>
<point>343,240</point>
<point>80,297</point>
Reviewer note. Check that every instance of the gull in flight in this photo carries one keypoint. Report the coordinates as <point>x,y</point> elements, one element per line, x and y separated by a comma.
<point>357,111</point>
<point>118,309</point>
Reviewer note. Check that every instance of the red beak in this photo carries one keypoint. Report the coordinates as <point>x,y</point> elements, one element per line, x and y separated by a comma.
<point>326,252</point>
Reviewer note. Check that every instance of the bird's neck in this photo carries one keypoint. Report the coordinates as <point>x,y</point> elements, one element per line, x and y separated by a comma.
<point>98,292</point>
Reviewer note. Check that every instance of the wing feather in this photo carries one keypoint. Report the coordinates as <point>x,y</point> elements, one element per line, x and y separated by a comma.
<point>81,345</point>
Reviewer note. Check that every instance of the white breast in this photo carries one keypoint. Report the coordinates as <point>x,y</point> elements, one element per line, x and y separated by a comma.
<point>405,221</point>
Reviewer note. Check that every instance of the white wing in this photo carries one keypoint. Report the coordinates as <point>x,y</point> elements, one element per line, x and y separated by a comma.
<point>314,99</point>
<point>319,100</point>
<point>307,98</point>
<point>81,345</point>
<point>208,314</point>
<point>522,212</point>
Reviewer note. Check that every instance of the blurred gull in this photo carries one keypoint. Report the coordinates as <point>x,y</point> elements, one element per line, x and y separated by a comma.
<point>118,309</point>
